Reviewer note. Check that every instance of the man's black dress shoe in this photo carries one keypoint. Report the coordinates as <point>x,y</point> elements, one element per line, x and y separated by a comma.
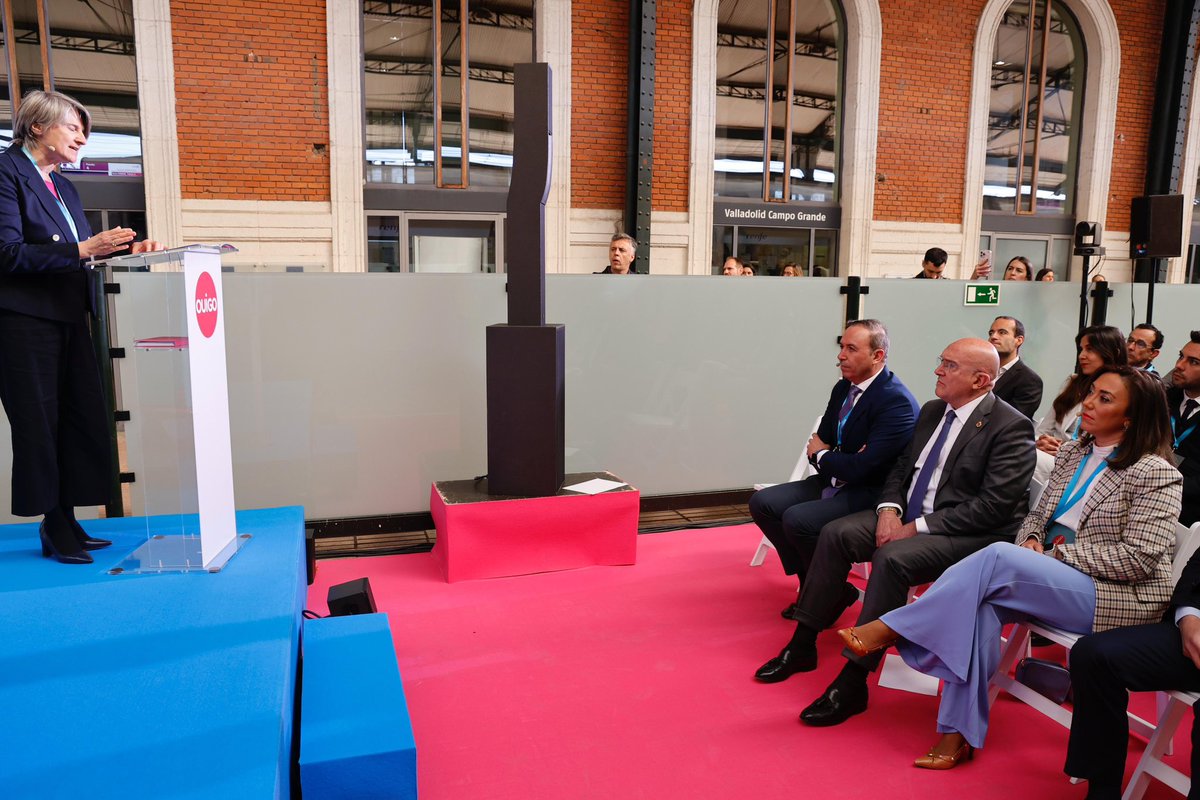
<point>834,707</point>
<point>790,661</point>
<point>849,598</point>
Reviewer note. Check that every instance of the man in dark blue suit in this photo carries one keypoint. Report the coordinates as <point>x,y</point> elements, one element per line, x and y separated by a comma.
<point>867,424</point>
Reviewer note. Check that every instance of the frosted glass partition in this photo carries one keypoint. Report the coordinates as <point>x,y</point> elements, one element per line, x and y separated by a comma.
<point>351,393</point>
<point>924,316</point>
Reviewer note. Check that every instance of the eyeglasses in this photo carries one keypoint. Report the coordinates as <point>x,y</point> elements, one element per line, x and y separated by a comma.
<point>947,365</point>
<point>1138,343</point>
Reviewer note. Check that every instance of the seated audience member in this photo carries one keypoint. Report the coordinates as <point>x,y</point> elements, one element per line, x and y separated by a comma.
<point>732,266</point>
<point>1143,346</point>
<point>1019,269</point>
<point>790,271</point>
<point>748,271</point>
<point>1099,278</point>
<point>933,265</point>
<point>1106,667</point>
<point>1183,400</point>
<point>1018,385</point>
<point>622,249</point>
<point>960,485</point>
<point>1095,554</point>
<point>1097,346</point>
<point>867,423</point>
<point>1045,275</point>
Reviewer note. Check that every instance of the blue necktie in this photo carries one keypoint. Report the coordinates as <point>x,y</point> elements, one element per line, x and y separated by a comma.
<point>847,407</point>
<point>916,498</point>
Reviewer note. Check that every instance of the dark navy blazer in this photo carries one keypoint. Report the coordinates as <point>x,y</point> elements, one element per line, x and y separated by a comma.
<point>40,271</point>
<point>875,433</point>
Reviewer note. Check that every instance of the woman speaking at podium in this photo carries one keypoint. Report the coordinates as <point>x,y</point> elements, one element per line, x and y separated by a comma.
<point>49,379</point>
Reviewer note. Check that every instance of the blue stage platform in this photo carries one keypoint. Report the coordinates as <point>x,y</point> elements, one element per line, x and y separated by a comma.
<point>150,686</point>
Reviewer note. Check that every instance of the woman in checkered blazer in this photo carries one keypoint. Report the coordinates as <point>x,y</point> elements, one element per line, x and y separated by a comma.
<point>1094,554</point>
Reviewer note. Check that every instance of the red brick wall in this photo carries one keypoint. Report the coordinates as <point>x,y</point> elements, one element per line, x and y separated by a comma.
<point>1139,23</point>
<point>673,106</point>
<point>599,113</point>
<point>599,78</point>
<point>251,97</point>
<point>924,96</point>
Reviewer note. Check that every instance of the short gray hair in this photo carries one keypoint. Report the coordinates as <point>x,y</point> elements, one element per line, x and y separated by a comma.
<point>878,333</point>
<point>44,109</point>
<point>617,237</point>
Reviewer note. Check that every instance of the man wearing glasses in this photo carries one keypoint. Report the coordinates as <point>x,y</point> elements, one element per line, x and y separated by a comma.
<point>961,485</point>
<point>1144,344</point>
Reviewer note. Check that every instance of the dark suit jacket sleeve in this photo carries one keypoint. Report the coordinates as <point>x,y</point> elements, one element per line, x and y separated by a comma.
<point>25,229</point>
<point>1025,394</point>
<point>1187,591</point>
<point>992,505</point>
<point>892,414</point>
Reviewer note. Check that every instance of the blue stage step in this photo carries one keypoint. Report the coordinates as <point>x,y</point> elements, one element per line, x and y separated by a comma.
<point>356,740</point>
<point>150,686</point>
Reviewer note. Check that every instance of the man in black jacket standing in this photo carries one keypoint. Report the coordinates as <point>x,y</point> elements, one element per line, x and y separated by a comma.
<point>1183,401</point>
<point>1018,385</point>
<point>1106,666</point>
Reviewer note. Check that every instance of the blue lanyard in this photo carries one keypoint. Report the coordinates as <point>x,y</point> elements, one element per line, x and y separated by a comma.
<point>66,214</point>
<point>1179,437</point>
<point>1072,496</point>
<point>1075,429</point>
<point>842,422</point>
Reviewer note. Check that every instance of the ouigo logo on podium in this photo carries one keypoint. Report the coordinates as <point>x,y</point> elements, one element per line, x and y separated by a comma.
<point>206,305</point>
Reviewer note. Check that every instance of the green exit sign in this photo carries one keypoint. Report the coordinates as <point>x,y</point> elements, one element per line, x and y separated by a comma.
<point>982,294</point>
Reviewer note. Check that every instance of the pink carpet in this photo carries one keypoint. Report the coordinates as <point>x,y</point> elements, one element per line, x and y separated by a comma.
<point>636,682</point>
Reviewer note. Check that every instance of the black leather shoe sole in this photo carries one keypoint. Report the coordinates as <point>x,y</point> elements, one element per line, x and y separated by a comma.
<point>787,664</point>
<point>833,708</point>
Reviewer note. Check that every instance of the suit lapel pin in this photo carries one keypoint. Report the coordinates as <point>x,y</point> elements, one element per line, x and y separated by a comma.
<point>979,424</point>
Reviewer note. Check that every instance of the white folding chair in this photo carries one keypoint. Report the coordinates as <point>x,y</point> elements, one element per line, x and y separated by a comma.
<point>1171,707</point>
<point>799,472</point>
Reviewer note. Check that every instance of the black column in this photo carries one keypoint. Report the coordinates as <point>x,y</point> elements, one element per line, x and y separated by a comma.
<point>526,357</point>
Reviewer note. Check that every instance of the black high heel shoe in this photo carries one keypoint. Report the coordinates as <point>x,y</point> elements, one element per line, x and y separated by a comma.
<point>85,541</point>
<point>48,550</point>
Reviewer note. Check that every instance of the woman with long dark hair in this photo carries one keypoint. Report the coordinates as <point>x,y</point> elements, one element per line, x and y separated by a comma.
<point>1094,554</point>
<point>1096,347</point>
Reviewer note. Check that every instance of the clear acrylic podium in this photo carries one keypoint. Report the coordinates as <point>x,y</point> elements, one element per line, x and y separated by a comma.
<point>173,379</point>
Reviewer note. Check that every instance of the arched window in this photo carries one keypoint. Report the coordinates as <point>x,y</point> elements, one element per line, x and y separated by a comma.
<point>777,118</point>
<point>797,129</point>
<point>87,52</point>
<point>1034,111</point>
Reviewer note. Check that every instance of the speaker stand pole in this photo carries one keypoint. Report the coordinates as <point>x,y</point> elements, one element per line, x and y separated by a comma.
<point>1083,291</point>
<point>1156,265</point>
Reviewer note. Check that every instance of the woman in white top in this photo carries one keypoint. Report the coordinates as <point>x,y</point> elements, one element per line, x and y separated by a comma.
<point>1097,347</point>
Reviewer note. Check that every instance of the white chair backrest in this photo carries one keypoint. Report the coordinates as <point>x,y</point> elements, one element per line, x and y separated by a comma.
<point>1186,542</point>
<point>1036,488</point>
<point>803,469</point>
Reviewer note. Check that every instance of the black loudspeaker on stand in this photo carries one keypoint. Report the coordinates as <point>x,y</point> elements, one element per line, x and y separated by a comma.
<point>1155,234</point>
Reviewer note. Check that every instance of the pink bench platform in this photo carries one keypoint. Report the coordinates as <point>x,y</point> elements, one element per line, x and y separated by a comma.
<point>481,536</point>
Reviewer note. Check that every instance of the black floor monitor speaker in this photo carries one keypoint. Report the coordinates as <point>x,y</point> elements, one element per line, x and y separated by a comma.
<point>351,597</point>
<point>1156,226</point>
<point>310,555</point>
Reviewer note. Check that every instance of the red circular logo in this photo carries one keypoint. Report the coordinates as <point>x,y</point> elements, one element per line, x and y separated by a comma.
<point>206,305</point>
